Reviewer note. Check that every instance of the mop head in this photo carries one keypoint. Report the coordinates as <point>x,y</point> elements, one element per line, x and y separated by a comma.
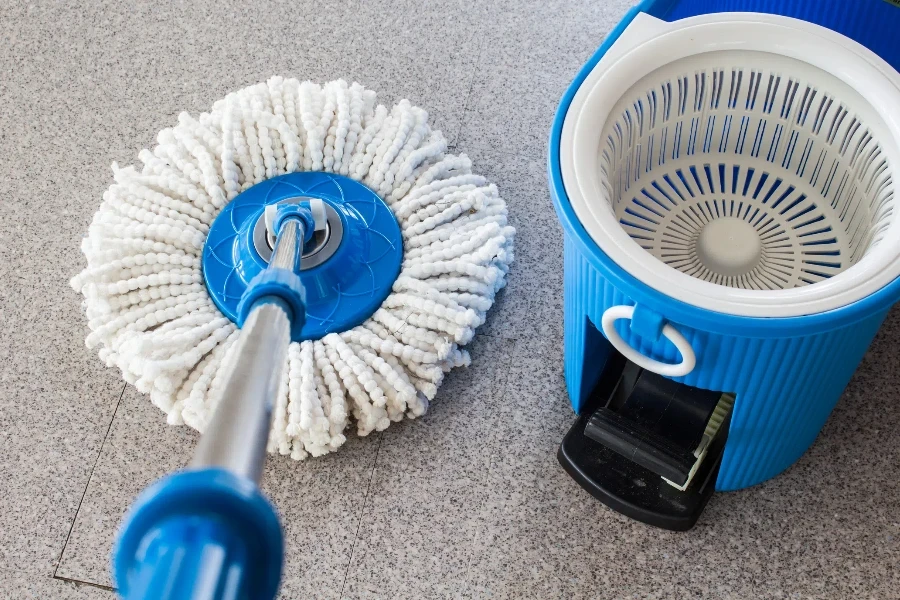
<point>151,315</point>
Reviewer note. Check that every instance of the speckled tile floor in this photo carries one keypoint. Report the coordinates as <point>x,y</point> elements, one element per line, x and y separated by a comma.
<point>467,502</point>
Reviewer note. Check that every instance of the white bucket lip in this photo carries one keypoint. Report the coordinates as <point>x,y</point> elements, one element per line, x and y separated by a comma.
<point>652,44</point>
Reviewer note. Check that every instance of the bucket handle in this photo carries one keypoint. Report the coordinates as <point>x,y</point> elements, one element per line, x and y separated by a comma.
<point>688,358</point>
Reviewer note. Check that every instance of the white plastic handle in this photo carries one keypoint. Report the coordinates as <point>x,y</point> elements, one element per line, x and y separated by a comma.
<point>688,359</point>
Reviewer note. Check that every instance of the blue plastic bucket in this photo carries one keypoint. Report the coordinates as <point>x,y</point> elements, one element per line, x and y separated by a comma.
<point>787,373</point>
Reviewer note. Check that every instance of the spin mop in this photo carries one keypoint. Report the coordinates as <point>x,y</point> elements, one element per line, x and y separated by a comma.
<point>298,259</point>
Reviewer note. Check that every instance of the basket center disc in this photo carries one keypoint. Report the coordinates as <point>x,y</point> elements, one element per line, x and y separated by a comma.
<point>348,269</point>
<point>729,246</point>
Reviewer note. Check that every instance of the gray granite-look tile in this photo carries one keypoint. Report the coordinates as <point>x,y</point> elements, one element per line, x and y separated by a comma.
<point>30,586</point>
<point>534,52</point>
<point>56,402</point>
<point>320,503</point>
<point>531,304</point>
<point>433,48</point>
<point>417,530</point>
<point>56,398</point>
<point>512,103</point>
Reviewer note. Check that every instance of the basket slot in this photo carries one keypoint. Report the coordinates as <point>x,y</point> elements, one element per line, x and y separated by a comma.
<point>790,93</point>
<point>809,97</point>
<point>718,79</point>
<point>752,90</point>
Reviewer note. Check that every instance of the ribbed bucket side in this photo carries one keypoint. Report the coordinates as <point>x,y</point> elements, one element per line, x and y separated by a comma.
<point>786,386</point>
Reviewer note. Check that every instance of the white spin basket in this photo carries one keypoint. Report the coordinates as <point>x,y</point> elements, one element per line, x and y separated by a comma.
<point>746,167</point>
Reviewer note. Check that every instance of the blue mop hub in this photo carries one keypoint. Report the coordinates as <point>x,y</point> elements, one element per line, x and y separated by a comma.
<point>348,268</point>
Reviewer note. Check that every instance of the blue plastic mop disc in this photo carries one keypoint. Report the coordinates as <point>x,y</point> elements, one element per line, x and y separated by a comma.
<point>347,270</point>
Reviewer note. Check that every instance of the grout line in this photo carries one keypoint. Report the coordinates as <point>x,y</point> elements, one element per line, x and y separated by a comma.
<point>362,513</point>
<point>476,64</point>
<point>88,484</point>
<point>79,582</point>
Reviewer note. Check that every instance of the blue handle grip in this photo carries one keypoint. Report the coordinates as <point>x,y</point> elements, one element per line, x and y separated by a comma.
<point>199,535</point>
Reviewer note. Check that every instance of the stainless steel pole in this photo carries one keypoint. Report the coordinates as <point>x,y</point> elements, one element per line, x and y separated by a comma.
<point>237,435</point>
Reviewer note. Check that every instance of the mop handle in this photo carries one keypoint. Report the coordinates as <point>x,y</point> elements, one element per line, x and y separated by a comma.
<point>208,532</point>
<point>238,432</point>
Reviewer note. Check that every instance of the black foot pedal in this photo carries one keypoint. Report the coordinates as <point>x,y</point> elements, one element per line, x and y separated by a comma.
<point>650,448</point>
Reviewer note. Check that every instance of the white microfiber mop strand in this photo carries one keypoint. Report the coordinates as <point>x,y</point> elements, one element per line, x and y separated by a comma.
<point>151,316</point>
